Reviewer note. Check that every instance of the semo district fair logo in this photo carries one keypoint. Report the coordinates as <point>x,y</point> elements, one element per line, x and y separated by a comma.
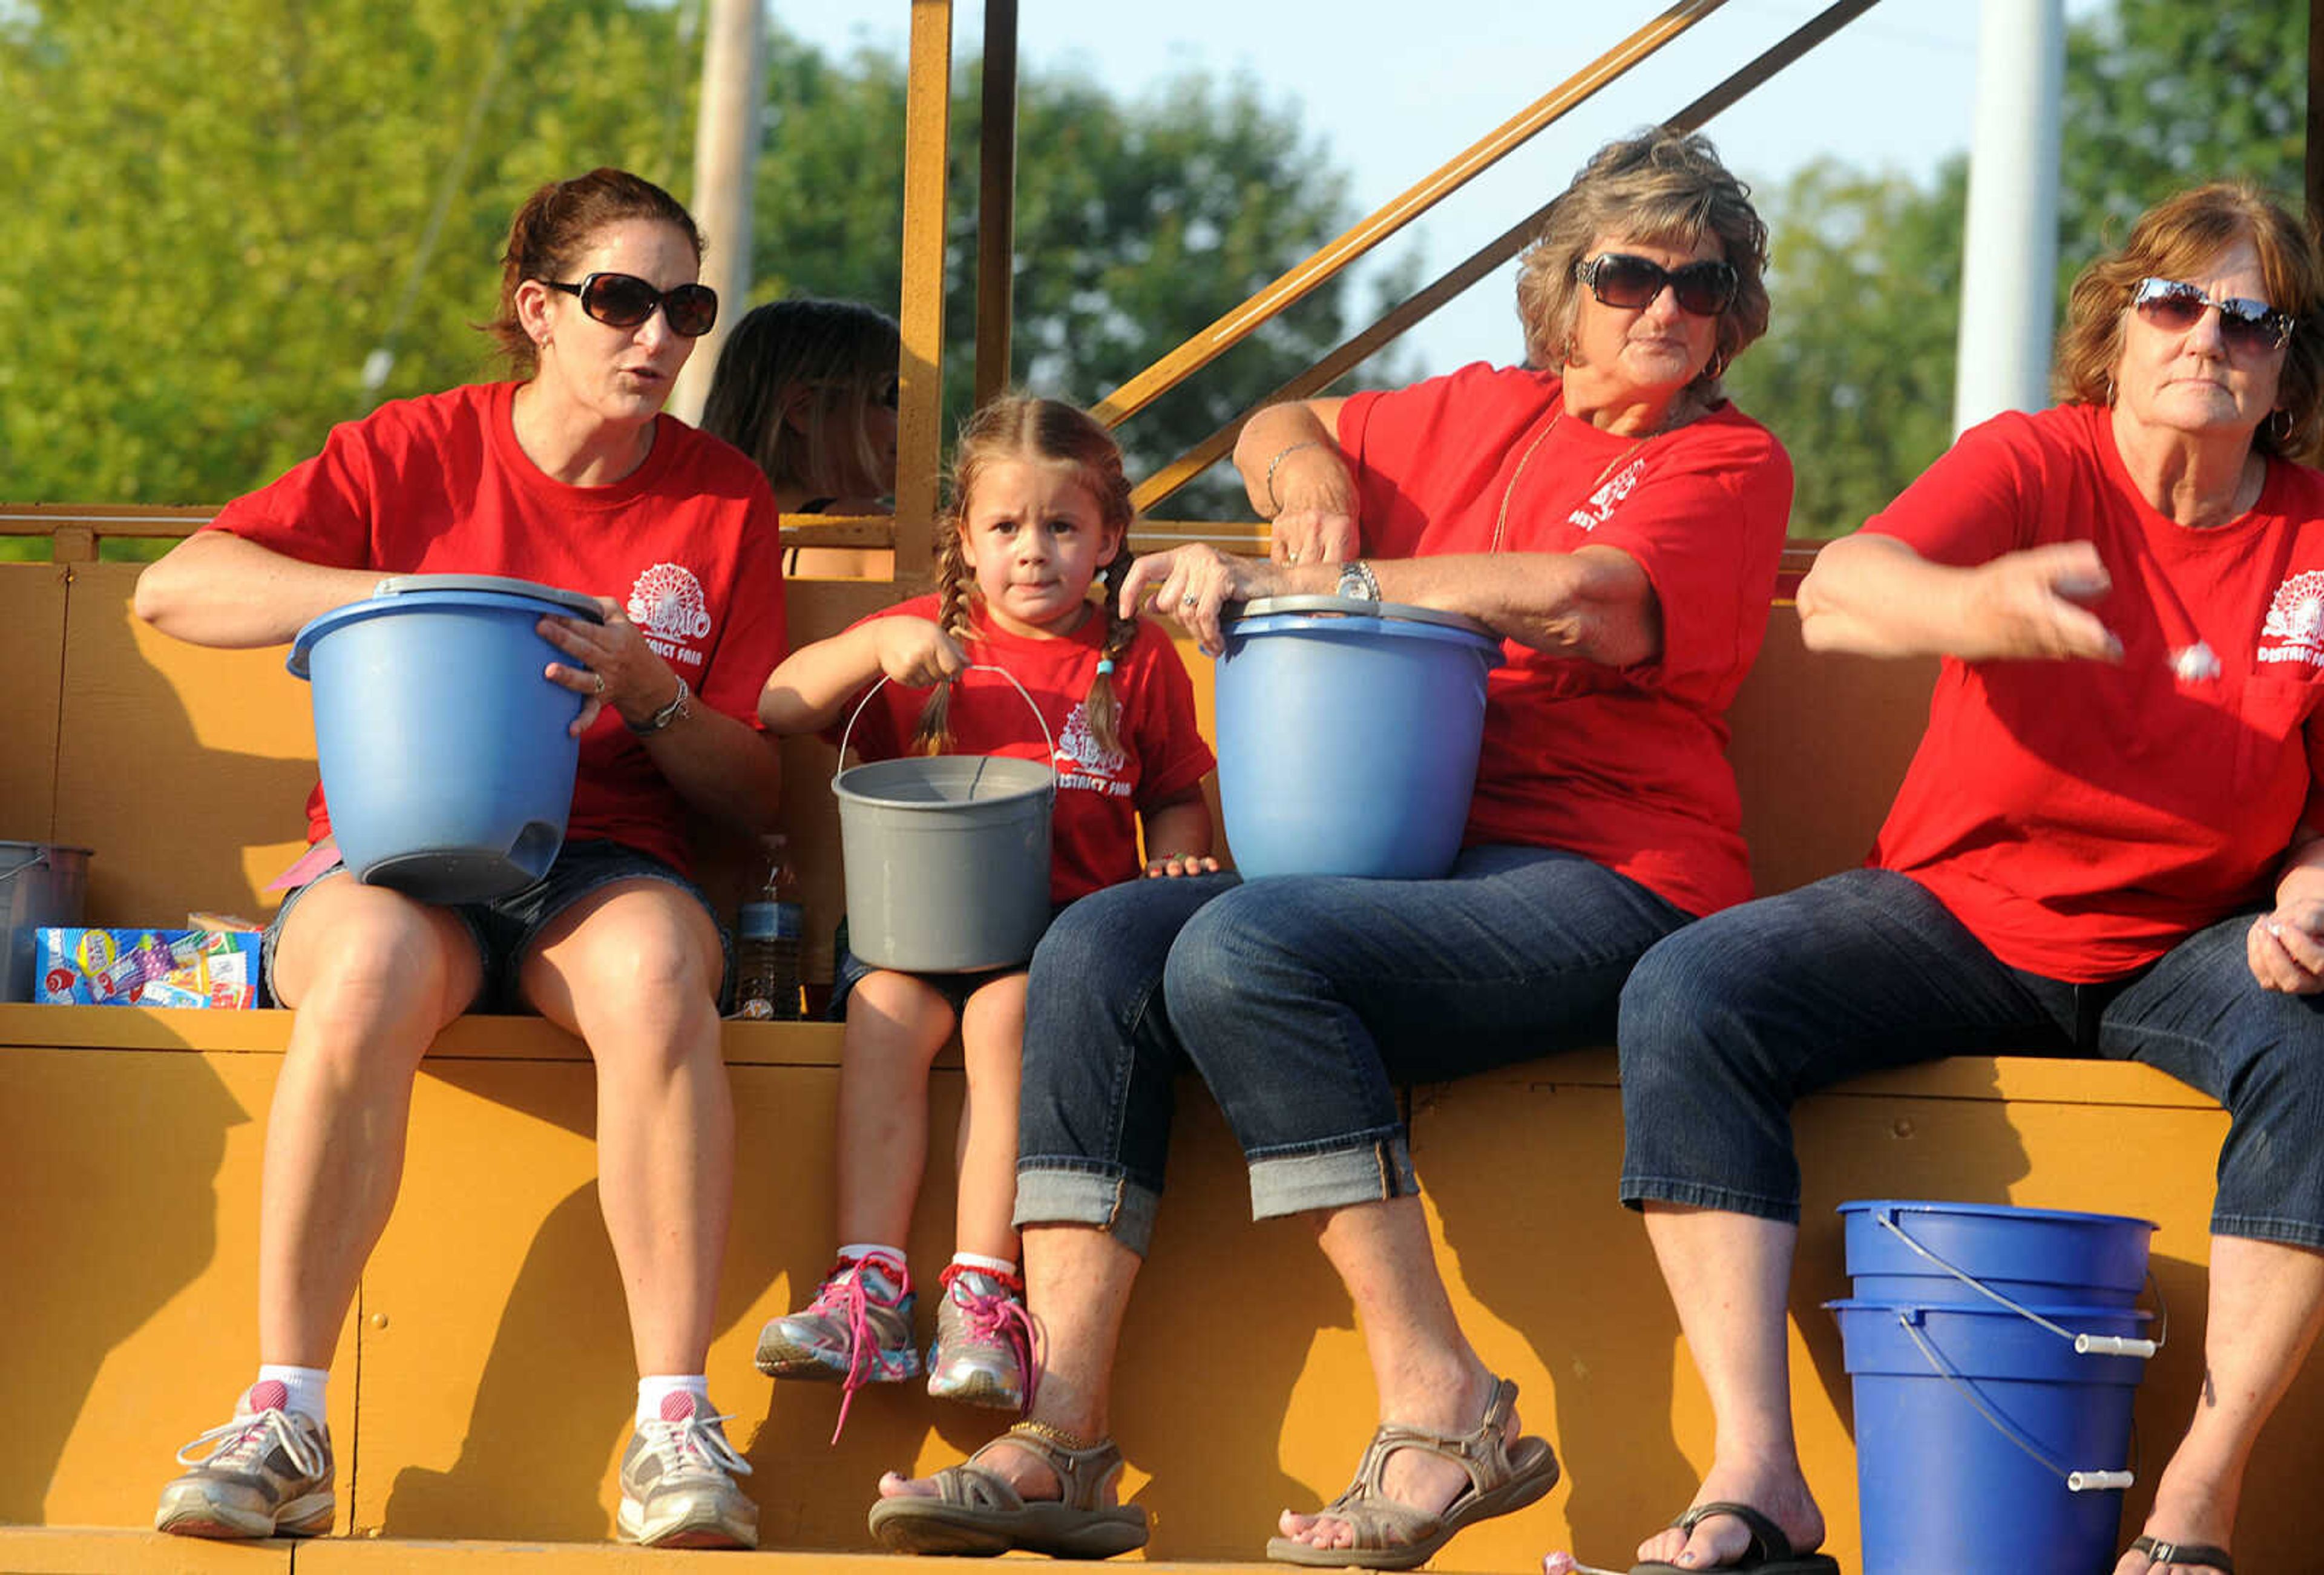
<point>670,611</point>
<point>2293,630</point>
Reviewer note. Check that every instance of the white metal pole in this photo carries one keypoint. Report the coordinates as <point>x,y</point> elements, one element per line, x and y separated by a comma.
<point>726,152</point>
<point>2009,260</point>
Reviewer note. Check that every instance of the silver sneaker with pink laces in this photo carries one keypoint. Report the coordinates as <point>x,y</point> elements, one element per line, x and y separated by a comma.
<point>983,1351</point>
<point>857,1330</point>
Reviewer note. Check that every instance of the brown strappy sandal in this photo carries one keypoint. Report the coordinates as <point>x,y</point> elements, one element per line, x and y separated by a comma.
<point>1390,1535</point>
<point>975,1511</point>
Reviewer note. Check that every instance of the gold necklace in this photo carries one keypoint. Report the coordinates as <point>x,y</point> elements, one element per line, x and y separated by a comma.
<point>1501,523</point>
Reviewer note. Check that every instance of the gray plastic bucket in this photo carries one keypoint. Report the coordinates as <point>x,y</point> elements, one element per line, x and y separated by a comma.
<point>41,884</point>
<point>946,856</point>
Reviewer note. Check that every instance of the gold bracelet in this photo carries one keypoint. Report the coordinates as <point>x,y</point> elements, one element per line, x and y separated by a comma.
<point>1072,1444</point>
<point>1280,456</point>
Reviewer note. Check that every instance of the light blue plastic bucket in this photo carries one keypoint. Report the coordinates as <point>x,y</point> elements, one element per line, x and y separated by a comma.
<point>444,750</point>
<point>1933,1253</point>
<point>1993,1390</point>
<point>1348,733</point>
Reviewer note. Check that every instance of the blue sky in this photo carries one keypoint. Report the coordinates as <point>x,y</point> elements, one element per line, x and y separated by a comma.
<point>1392,89</point>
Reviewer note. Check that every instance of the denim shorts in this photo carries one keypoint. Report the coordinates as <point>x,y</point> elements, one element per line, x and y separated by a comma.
<point>850,970</point>
<point>504,929</point>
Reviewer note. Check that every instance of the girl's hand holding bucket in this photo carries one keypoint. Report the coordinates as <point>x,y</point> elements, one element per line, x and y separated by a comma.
<point>916,653</point>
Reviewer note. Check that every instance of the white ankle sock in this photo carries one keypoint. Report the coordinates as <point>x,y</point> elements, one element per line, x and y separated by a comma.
<point>310,1388</point>
<point>993,1266</point>
<point>654,1388</point>
<point>857,1249</point>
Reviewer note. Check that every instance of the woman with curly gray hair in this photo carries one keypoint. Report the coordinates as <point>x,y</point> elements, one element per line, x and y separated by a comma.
<point>1616,524</point>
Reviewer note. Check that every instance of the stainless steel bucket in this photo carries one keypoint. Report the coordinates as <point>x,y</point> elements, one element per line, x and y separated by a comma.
<point>41,884</point>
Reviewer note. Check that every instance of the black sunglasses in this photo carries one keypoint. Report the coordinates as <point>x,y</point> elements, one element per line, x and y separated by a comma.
<point>623,301</point>
<point>2253,328</point>
<point>1616,278</point>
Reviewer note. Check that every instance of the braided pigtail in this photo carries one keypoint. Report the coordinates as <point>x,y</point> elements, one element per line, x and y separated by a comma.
<point>933,736</point>
<point>1101,706</point>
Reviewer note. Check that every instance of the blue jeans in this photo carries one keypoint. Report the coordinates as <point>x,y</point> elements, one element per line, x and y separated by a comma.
<point>1725,1025</point>
<point>1304,1001</point>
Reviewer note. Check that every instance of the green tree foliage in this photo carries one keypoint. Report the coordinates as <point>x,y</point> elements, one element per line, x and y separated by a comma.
<point>1856,374</point>
<point>1137,223</point>
<point>216,203</point>
<point>220,205</point>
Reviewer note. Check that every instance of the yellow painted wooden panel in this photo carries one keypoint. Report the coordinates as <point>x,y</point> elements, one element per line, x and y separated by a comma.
<point>130,1316</point>
<point>396,1556</point>
<point>40,1550</point>
<point>1554,1282</point>
<point>1819,743</point>
<point>185,768</point>
<point>32,655</point>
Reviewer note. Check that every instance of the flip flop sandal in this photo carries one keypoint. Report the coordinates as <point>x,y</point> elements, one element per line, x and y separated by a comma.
<point>2203,1555</point>
<point>976,1512</point>
<point>1389,1536</point>
<point>1769,1554</point>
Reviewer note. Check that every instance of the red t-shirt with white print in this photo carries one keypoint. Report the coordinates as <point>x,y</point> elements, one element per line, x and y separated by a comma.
<point>1627,765</point>
<point>687,543</point>
<point>1093,828</point>
<point>2082,818</point>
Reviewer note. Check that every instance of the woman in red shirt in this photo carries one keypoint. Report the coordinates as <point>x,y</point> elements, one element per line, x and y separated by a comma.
<point>2106,845</point>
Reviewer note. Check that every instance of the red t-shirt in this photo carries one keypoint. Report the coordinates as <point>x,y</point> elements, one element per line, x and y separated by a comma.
<point>2082,819</point>
<point>1627,765</point>
<point>687,543</point>
<point>1094,829</point>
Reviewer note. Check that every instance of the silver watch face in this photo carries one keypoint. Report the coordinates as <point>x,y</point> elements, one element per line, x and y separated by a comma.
<point>1356,585</point>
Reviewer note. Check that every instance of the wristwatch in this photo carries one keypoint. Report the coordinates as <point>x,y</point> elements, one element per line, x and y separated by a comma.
<point>1358,583</point>
<point>677,710</point>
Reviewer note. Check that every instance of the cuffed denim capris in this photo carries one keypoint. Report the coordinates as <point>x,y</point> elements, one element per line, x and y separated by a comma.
<point>1727,1024</point>
<point>1303,1003</point>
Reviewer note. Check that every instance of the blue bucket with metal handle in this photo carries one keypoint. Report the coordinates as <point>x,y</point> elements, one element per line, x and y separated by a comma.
<point>445,755</point>
<point>1348,735</point>
<point>1992,1389</point>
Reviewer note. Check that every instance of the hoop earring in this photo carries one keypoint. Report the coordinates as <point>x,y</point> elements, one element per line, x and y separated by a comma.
<point>1716,367</point>
<point>2278,425</point>
<point>2109,391</point>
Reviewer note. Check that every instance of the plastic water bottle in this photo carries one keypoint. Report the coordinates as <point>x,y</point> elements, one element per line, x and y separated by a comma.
<point>767,930</point>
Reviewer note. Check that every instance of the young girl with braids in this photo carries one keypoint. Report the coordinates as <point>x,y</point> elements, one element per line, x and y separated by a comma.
<point>1039,511</point>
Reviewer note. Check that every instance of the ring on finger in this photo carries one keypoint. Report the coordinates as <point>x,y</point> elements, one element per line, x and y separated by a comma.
<point>1190,601</point>
<point>601,681</point>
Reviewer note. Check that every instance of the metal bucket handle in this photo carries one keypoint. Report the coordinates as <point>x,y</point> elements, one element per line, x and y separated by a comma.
<point>2097,1481</point>
<point>1050,760</point>
<point>2084,1344</point>
<point>38,861</point>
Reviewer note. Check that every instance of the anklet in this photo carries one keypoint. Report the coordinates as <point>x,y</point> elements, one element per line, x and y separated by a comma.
<point>1070,1443</point>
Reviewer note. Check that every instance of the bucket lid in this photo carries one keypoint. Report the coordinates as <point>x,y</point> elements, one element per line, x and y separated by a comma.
<point>1360,607</point>
<point>573,602</point>
<point>403,593</point>
<point>1985,1211</point>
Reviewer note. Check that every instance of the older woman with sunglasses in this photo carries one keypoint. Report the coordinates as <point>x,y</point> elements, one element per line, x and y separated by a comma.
<point>1617,523</point>
<point>569,475</point>
<point>2106,846</point>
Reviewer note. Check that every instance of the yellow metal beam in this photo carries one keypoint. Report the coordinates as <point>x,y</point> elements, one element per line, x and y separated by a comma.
<point>1231,330</point>
<point>919,442</point>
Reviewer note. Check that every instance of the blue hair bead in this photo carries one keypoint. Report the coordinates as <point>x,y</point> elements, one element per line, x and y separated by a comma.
<point>1104,666</point>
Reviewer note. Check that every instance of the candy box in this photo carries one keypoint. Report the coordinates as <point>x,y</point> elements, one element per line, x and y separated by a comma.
<point>171,968</point>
